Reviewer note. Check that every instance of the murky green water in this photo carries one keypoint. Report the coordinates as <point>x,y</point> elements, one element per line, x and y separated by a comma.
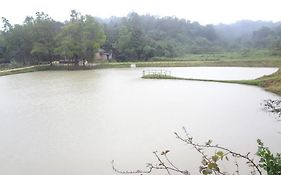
<point>75,123</point>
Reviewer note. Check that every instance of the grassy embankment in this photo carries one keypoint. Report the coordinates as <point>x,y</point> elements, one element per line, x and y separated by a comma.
<point>24,70</point>
<point>45,67</point>
<point>178,63</point>
<point>256,59</point>
<point>230,59</point>
<point>271,83</point>
<point>196,63</point>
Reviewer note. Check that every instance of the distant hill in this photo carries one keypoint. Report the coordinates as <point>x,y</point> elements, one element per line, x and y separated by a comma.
<point>242,28</point>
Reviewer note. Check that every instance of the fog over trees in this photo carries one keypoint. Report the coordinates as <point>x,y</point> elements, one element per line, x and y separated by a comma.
<point>131,38</point>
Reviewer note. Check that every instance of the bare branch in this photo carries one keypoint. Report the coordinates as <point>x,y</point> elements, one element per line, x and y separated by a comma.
<point>209,164</point>
<point>199,147</point>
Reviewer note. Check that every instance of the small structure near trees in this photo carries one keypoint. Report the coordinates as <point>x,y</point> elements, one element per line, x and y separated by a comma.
<point>103,55</point>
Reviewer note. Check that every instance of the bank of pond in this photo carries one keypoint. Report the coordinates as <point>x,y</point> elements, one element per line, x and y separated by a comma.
<point>271,83</point>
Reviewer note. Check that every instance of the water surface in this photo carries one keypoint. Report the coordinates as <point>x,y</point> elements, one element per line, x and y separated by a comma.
<point>76,122</point>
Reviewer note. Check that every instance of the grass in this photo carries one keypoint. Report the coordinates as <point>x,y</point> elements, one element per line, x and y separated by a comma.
<point>271,83</point>
<point>24,70</point>
<point>265,62</point>
<point>191,63</point>
<point>261,58</point>
<point>221,63</point>
<point>219,56</point>
<point>36,68</point>
<point>114,65</point>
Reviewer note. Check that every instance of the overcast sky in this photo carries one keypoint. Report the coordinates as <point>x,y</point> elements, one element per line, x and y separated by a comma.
<point>203,11</point>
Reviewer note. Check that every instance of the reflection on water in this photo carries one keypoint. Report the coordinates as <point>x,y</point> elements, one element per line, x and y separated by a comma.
<point>77,122</point>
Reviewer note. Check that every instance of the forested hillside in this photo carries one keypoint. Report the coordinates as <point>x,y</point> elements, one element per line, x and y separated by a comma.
<point>131,38</point>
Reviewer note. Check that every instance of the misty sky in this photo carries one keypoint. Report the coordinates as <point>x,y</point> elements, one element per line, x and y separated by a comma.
<point>203,11</point>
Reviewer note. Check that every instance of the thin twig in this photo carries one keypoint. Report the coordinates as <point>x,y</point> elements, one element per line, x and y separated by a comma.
<point>196,146</point>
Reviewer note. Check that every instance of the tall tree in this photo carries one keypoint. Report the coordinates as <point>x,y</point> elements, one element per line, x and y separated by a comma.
<point>44,30</point>
<point>18,40</point>
<point>70,38</point>
<point>80,37</point>
<point>93,37</point>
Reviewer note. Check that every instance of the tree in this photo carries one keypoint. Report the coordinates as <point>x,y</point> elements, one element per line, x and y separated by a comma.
<point>269,162</point>
<point>2,45</point>
<point>18,40</point>
<point>141,37</point>
<point>80,37</point>
<point>122,44</point>
<point>93,37</point>
<point>262,37</point>
<point>6,24</point>
<point>33,41</point>
<point>70,37</point>
<point>44,30</point>
<point>148,52</point>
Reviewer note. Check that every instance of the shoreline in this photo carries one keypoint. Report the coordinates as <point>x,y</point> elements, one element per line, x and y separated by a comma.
<point>270,83</point>
<point>192,63</point>
<point>32,68</point>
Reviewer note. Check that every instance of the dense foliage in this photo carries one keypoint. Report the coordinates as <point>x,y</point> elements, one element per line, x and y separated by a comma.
<point>142,37</point>
<point>131,38</point>
<point>269,162</point>
<point>41,39</point>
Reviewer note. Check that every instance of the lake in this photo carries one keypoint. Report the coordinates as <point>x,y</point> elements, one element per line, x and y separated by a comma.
<point>76,122</point>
